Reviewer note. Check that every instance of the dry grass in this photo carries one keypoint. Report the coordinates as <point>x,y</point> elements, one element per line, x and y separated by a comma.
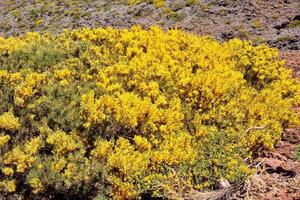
<point>180,190</point>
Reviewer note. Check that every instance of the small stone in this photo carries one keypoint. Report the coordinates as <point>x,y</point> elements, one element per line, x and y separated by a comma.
<point>223,183</point>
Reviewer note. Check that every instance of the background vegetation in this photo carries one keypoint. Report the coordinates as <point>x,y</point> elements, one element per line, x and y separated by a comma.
<point>275,22</point>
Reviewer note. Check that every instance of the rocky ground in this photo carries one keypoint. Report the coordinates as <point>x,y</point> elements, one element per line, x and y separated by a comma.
<point>274,22</point>
<point>278,173</point>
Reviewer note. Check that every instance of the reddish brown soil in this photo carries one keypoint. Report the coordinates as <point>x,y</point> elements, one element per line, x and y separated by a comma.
<point>292,60</point>
<point>278,174</point>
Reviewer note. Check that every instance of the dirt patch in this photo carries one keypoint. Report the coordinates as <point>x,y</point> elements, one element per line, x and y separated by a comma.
<point>292,59</point>
<point>266,186</point>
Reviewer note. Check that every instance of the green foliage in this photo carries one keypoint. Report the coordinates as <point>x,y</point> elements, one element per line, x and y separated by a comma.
<point>294,23</point>
<point>192,2</point>
<point>256,23</point>
<point>297,153</point>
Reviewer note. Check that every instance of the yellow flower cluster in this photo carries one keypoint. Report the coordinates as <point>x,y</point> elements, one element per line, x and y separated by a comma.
<point>130,164</point>
<point>124,109</point>
<point>36,185</point>
<point>9,122</point>
<point>12,78</point>
<point>142,143</point>
<point>4,139</point>
<point>9,185</point>
<point>27,89</point>
<point>159,3</point>
<point>8,171</point>
<point>23,157</point>
<point>175,150</point>
<point>62,142</point>
<point>102,149</point>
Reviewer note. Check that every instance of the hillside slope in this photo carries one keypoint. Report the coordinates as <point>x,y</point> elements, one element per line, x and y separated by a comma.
<point>275,22</point>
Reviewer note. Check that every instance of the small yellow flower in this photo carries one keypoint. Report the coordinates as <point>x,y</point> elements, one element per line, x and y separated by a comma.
<point>9,122</point>
<point>103,149</point>
<point>40,166</point>
<point>11,186</point>
<point>142,143</point>
<point>59,165</point>
<point>36,185</point>
<point>8,171</point>
<point>64,82</point>
<point>4,139</point>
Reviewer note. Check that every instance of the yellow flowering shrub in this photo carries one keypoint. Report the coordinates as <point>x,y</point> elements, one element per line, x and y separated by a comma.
<point>119,111</point>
